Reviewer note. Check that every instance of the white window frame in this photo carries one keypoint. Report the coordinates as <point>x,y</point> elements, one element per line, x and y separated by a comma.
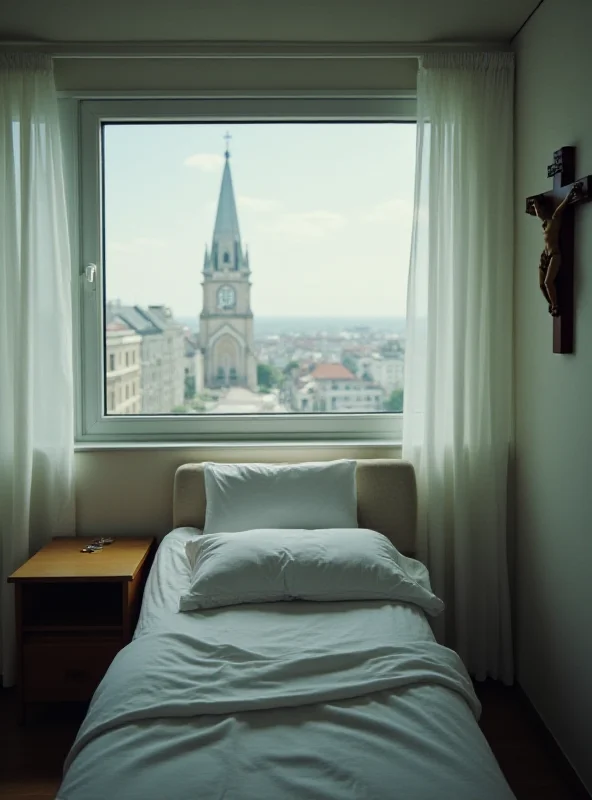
<point>84,120</point>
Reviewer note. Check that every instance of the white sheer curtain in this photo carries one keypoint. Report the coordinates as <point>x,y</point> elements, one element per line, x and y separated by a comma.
<point>36,382</point>
<point>458,379</point>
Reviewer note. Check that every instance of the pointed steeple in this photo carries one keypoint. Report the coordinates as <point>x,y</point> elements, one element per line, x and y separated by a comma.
<point>227,252</point>
<point>226,226</point>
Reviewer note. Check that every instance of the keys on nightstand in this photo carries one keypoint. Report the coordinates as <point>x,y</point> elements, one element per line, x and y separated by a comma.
<point>97,544</point>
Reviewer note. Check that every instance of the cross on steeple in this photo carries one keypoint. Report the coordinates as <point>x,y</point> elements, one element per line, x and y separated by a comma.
<point>227,138</point>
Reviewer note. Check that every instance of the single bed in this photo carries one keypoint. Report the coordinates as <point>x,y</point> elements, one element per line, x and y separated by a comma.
<point>285,700</point>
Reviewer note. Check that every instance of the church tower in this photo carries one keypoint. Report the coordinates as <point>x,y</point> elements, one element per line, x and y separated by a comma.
<point>226,320</point>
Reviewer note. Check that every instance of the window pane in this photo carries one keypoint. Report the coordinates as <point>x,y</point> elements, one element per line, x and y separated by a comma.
<point>256,267</point>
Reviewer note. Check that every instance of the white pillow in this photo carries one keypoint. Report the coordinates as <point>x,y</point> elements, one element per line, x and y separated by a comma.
<point>241,497</point>
<point>268,565</point>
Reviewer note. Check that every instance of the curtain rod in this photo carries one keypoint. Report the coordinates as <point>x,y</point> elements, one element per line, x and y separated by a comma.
<point>320,50</point>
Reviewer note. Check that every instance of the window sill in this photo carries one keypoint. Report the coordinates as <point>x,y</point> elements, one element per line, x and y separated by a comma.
<point>81,447</point>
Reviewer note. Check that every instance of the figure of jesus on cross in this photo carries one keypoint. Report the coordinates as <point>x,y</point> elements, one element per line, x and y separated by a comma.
<point>551,255</point>
<point>556,265</point>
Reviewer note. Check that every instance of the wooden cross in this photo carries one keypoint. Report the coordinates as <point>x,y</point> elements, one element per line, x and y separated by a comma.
<point>562,170</point>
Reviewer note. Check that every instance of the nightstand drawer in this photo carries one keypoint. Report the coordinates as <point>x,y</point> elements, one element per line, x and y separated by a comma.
<point>65,670</point>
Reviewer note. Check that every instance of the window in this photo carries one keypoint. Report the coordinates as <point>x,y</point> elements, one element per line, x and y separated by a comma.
<point>260,332</point>
<point>111,362</point>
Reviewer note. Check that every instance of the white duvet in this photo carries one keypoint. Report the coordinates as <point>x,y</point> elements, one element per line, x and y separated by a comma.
<point>281,700</point>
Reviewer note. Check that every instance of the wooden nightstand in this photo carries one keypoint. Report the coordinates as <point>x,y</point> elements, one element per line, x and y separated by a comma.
<point>74,611</point>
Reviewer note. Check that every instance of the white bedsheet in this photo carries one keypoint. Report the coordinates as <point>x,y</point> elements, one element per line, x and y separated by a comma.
<point>283,700</point>
<point>169,576</point>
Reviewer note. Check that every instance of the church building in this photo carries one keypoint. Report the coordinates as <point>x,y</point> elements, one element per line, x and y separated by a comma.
<point>226,319</point>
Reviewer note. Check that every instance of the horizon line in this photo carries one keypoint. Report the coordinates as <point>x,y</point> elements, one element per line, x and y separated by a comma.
<point>318,316</point>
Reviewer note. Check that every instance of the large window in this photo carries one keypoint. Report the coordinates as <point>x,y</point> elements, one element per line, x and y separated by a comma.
<point>251,268</point>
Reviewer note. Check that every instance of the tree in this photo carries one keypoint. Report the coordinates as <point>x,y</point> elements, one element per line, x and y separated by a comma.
<point>267,376</point>
<point>290,366</point>
<point>395,401</point>
<point>350,363</point>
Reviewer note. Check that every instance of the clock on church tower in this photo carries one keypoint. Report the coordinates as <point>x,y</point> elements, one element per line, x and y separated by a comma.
<point>226,319</point>
<point>226,298</point>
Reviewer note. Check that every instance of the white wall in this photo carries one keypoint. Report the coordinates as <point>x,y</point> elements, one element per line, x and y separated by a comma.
<point>174,74</point>
<point>554,392</point>
<point>130,491</point>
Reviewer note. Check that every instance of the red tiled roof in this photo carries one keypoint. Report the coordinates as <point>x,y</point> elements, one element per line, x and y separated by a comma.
<point>332,372</point>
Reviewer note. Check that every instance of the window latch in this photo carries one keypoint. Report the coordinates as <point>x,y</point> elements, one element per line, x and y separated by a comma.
<point>89,276</point>
<point>90,273</point>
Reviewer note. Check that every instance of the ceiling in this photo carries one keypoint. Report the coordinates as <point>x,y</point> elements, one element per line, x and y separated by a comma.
<point>398,21</point>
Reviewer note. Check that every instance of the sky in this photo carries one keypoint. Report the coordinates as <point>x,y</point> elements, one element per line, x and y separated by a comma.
<point>324,208</point>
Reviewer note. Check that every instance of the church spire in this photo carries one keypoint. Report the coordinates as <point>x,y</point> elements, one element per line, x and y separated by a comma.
<point>226,229</point>
<point>227,252</point>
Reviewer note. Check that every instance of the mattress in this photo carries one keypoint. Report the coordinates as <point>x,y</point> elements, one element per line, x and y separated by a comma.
<point>280,700</point>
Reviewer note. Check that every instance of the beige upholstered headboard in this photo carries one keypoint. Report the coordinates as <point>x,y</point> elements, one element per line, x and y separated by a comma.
<point>387,499</point>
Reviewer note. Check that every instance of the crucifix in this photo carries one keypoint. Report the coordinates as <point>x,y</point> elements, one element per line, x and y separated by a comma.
<point>556,267</point>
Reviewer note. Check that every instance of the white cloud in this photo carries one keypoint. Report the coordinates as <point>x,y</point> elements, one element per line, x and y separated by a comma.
<point>206,162</point>
<point>308,224</point>
<point>256,204</point>
<point>388,211</point>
